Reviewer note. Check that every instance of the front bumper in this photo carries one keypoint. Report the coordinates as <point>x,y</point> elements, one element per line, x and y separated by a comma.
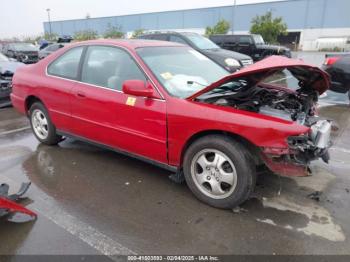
<point>302,150</point>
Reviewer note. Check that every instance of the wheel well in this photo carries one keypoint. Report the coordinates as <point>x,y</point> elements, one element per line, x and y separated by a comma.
<point>30,101</point>
<point>252,149</point>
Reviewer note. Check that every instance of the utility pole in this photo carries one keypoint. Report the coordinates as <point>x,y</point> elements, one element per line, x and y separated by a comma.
<point>233,15</point>
<point>48,15</point>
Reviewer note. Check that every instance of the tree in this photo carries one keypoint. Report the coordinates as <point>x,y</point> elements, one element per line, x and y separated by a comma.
<point>137,33</point>
<point>50,37</point>
<point>113,32</point>
<point>267,26</point>
<point>85,35</point>
<point>221,27</point>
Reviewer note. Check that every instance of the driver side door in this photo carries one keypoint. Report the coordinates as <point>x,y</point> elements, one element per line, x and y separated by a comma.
<point>102,113</point>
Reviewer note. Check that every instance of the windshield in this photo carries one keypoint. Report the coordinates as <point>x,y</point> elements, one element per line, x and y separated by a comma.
<point>258,40</point>
<point>24,47</point>
<point>3,58</point>
<point>181,70</point>
<point>201,42</point>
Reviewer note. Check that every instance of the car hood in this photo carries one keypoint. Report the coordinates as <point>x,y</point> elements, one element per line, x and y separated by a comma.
<point>312,76</point>
<point>223,54</point>
<point>9,67</point>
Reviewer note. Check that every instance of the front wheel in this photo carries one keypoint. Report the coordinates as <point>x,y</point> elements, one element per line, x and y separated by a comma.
<point>42,126</point>
<point>219,171</point>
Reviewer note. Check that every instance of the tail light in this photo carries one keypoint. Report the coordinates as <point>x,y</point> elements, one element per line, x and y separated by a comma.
<point>331,60</point>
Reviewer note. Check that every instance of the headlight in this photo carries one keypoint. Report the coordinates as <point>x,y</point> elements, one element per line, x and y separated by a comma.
<point>232,62</point>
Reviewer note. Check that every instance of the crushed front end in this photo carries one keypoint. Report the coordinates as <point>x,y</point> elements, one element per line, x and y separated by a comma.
<point>281,89</point>
<point>295,160</point>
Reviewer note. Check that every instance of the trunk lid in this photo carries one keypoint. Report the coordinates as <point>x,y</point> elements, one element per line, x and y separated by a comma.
<point>311,76</point>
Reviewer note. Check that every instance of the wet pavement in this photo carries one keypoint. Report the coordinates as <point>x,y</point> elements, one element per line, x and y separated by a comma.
<point>93,201</point>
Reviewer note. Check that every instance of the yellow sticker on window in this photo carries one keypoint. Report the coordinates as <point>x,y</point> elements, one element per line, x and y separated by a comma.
<point>167,75</point>
<point>131,101</point>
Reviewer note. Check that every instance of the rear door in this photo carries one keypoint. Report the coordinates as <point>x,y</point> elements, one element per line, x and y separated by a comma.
<point>230,43</point>
<point>245,44</point>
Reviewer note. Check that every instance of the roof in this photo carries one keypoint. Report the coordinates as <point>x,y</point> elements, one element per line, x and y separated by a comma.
<point>132,44</point>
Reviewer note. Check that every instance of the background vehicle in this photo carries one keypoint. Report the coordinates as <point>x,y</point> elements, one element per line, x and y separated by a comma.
<point>338,66</point>
<point>231,61</point>
<point>50,49</point>
<point>252,45</point>
<point>7,69</point>
<point>22,52</point>
<point>168,104</point>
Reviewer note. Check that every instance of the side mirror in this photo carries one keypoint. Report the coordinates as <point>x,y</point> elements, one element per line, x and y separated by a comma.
<point>138,88</point>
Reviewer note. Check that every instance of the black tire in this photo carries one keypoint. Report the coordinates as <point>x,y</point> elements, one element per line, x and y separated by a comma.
<point>52,138</point>
<point>243,164</point>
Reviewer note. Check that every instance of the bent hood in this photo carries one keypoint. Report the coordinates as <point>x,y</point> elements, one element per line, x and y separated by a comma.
<point>308,75</point>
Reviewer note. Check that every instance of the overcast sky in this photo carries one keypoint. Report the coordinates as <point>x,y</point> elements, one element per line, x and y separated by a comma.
<point>25,18</point>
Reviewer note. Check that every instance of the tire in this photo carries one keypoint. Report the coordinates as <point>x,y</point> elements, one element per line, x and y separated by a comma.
<point>216,188</point>
<point>42,126</point>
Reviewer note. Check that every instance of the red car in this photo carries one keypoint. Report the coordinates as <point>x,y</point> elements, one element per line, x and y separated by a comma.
<point>168,104</point>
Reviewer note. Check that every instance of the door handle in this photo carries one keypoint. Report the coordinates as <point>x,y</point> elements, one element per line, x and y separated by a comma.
<point>80,95</point>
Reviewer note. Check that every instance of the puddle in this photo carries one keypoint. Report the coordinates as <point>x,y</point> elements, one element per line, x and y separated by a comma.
<point>283,203</point>
<point>320,222</point>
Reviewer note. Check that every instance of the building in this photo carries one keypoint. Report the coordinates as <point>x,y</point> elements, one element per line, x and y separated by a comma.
<point>309,21</point>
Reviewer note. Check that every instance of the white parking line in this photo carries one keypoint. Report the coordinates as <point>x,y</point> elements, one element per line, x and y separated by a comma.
<point>86,233</point>
<point>14,131</point>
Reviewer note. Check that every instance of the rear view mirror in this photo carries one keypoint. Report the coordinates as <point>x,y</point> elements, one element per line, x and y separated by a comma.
<point>138,88</point>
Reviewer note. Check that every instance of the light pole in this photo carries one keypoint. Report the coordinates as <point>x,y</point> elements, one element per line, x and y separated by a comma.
<point>233,15</point>
<point>48,15</point>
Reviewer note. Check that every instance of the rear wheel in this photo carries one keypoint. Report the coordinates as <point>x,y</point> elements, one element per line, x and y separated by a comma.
<point>219,171</point>
<point>42,126</point>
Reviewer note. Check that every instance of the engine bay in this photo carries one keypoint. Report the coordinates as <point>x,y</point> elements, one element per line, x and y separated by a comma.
<point>298,106</point>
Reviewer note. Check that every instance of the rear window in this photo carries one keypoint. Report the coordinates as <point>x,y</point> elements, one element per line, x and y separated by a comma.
<point>67,65</point>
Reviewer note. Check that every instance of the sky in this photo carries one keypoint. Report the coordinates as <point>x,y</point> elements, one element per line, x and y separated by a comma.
<point>25,18</point>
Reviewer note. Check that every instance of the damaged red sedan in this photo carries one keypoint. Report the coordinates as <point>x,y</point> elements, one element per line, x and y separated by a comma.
<point>168,104</point>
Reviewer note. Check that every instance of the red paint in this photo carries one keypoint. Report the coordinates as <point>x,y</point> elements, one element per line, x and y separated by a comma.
<point>156,127</point>
<point>13,208</point>
<point>285,168</point>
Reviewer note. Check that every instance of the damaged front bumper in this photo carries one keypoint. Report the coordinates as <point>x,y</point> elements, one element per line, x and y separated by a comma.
<point>295,160</point>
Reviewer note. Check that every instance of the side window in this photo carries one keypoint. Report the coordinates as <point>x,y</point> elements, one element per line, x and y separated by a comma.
<point>67,65</point>
<point>177,39</point>
<point>163,37</point>
<point>109,67</point>
<point>245,40</point>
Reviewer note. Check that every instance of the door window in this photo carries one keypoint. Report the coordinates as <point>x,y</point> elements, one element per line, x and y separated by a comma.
<point>109,67</point>
<point>67,65</point>
<point>245,40</point>
<point>163,37</point>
